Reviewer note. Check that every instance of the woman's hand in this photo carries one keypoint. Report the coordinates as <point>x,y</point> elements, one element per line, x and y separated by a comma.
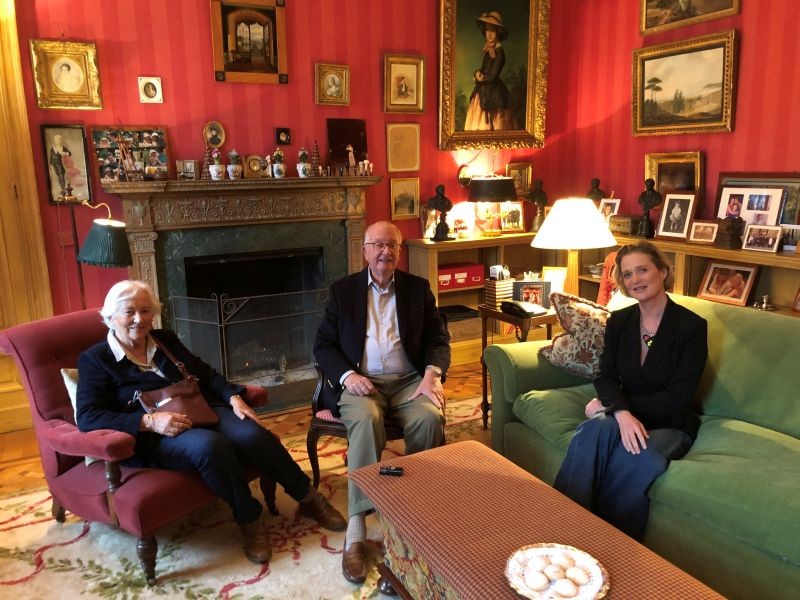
<point>169,424</point>
<point>592,407</point>
<point>243,410</point>
<point>634,435</point>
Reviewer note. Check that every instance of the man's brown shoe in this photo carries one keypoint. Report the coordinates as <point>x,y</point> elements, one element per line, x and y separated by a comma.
<point>256,541</point>
<point>354,563</point>
<point>319,509</point>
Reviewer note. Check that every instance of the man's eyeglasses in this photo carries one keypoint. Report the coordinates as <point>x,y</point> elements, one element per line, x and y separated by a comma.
<point>379,246</point>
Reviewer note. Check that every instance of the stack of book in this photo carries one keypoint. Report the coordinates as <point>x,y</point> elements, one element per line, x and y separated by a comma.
<point>495,291</point>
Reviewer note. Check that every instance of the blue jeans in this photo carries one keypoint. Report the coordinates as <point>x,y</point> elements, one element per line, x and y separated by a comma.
<point>218,453</point>
<point>600,475</point>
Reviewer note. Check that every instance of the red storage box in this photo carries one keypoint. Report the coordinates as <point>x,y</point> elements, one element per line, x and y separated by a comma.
<point>460,275</point>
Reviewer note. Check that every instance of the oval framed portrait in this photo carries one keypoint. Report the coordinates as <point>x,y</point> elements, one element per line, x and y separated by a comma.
<point>214,134</point>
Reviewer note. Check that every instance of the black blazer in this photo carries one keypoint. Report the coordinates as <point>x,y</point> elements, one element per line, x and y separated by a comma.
<point>106,387</point>
<point>341,336</point>
<point>659,392</point>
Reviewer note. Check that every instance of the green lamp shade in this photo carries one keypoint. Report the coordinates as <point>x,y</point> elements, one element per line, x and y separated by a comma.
<point>106,245</point>
<point>491,189</point>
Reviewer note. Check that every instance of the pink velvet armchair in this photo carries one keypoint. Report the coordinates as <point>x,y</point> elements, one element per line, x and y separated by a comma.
<point>138,500</point>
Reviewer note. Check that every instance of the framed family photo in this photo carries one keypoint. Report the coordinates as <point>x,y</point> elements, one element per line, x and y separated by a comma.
<point>703,232</point>
<point>130,152</point>
<point>676,216</point>
<point>686,86</point>
<point>757,206</point>
<point>676,173</point>
<point>67,163</point>
<point>728,283</point>
<point>404,193</point>
<point>537,292</point>
<point>66,74</point>
<point>402,147</point>
<point>764,238</point>
<point>790,182</point>
<point>332,84</point>
<point>661,15</point>
<point>493,77</point>
<point>521,173</point>
<point>609,207</point>
<point>403,83</point>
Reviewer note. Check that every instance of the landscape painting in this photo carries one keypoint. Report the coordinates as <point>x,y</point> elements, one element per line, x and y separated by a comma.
<point>660,15</point>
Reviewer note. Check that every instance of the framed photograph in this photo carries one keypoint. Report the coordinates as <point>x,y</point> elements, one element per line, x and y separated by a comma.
<point>66,74</point>
<point>676,216</point>
<point>521,173</point>
<point>789,237</point>
<point>428,217</point>
<point>537,292</point>
<point>403,83</point>
<point>508,46</point>
<point>757,206</point>
<point>609,207</point>
<point>248,41</point>
<point>764,238</point>
<point>214,134</point>
<point>150,90</point>
<point>557,276</point>
<point>130,152</point>
<point>676,173</point>
<point>660,15</point>
<point>332,84</point>
<point>790,182</point>
<point>405,197</point>
<point>703,232</point>
<point>492,218</point>
<point>187,169</point>
<point>252,167</point>
<point>796,303</point>
<point>66,159</point>
<point>728,283</point>
<point>685,87</point>
<point>402,147</point>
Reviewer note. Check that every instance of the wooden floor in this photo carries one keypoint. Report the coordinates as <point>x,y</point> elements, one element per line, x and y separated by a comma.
<point>20,469</point>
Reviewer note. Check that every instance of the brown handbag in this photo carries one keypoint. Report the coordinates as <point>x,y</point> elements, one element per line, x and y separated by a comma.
<point>184,397</point>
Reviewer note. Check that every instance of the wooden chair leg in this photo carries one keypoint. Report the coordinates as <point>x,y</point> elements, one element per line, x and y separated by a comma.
<point>268,490</point>
<point>146,550</point>
<point>311,446</point>
<point>58,512</point>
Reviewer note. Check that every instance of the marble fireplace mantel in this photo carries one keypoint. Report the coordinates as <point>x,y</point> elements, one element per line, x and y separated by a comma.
<point>153,206</point>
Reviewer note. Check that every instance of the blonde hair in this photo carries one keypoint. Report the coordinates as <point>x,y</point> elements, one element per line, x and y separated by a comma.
<point>123,291</point>
<point>658,258</point>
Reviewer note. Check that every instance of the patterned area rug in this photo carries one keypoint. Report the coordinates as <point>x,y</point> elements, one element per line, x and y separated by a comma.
<point>200,556</point>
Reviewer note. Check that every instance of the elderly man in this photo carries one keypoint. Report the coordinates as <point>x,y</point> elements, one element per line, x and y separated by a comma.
<point>384,350</point>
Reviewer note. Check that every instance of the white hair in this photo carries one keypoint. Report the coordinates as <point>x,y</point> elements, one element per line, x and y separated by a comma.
<point>123,291</point>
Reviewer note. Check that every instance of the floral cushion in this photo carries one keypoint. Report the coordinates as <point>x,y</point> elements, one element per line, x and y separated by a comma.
<point>578,349</point>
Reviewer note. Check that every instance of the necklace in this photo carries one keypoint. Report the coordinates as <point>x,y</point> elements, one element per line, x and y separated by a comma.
<point>647,336</point>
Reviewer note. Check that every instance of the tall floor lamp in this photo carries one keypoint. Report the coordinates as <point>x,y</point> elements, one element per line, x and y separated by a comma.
<point>573,224</point>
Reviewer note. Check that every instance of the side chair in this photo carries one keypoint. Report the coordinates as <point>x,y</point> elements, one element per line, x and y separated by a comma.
<point>137,500</point>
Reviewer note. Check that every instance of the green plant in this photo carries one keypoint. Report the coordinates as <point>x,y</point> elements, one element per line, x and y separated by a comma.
<point>302,156</point>
<point>277,156</point>
<point>216,156</point>
<point>234,157</point>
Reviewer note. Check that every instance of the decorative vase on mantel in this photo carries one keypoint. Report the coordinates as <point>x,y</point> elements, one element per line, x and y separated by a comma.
<point>278,167</point>
<point>217,171</point>
<point>235,167</point>
<point>303,166</point>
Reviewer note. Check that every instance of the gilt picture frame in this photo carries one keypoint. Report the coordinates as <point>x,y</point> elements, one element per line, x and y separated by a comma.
<point>66,161</point>
<point>657,15</point>
<point>519,119</point>
<point>66,75</point>
<point>332,84</point>
<point>403,83</point>
<point>686,86</point>
<point>521,173</point>
<point>677,173</point>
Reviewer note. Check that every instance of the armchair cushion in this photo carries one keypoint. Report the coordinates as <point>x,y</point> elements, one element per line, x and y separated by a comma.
<point>70,377</point>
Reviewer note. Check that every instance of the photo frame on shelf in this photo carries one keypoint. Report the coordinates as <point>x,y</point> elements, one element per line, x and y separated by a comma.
<point>187,169</point>
<point>519,124</point>
<point>676,173</point>
<point>660,16</point>
<point>728,283</point>
<point>214,134</point>
<point>261,58</point>
<point>703,232</point>
<point>537,292</point>
<point>557,276</point>
<point>332,84</point>
<point>665,77</point>
<point>404,192</point>
<point>757,206</point>
<point>790,182</point>
<point>676,215</point>
<point>609,207</point>
<point>790,236</point>
<point>521,173</point>
<point>130,152</point>
<point>403,83</point>
<point>66,159</point>
<point>763,238</point>
<point>150,91</point>
<point>66,74</point>
<point>494,218</point>
<point>402,147</point>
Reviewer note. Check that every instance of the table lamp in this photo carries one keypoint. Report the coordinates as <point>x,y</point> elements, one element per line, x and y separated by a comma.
<point>573,224</point>
<point>492,188</point>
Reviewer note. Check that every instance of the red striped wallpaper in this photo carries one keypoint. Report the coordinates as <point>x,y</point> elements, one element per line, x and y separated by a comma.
<point>588,120</point>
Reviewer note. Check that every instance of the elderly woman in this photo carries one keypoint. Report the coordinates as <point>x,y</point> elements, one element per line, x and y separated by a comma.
<point>135,357</point>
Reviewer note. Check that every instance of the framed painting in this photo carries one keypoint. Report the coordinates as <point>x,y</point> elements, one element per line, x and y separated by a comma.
<point>493,73</point>
<point>332,84</point>
<point>214,134</point>
<point>728,283</point>
<point>676,173</point>
<point>66,159</point>
<point>764,238</point>
<point>685,87</point>
<point>789,237</point>
<point>676,216</point>
<point>130,152</point>
<point>757,206</point>
<point>609,207</point>
<point>150,91</point>
<point>660,15</point>
<point>403,83</point>
<point>248,39</point>
<point>66,74</point>
<point>521,173</point>
<point>790,182</point>
<point>405,197</point>
<point>187,169</point>
<point>703,232</point>
<point>537,292</point>
<point>402,147</point>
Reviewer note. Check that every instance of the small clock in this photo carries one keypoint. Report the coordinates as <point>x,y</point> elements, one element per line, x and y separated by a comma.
<point>283,136</point>
<point>252,167</point>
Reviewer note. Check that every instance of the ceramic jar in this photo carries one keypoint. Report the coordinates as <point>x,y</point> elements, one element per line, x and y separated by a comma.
<point>235,171</point>
<point>217,172</point>
<point>278,170</point>
<point>304,169</point>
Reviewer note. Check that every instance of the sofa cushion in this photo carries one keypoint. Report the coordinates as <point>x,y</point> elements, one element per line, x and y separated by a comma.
<point>554,414</point>
<point>741,479</point>
<point>578,349</point>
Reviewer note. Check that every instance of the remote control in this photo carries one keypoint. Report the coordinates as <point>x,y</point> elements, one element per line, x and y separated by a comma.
<point>388,470</point>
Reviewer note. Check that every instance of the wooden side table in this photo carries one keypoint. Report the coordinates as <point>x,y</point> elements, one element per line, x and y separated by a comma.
<point>522,325</point>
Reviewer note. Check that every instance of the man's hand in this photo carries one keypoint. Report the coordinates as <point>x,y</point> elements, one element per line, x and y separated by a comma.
<point>431,386</point>
<point>243,410</point>
<point>358,385</point>
<point>634,435</point>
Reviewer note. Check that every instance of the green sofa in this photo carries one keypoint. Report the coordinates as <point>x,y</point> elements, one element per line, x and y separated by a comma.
<point>728,512</point>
